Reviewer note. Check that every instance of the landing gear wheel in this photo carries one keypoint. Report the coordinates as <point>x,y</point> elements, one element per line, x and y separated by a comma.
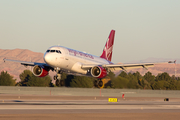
<point>62,82</point>
<point>100,84</point>
<point>96,83</point>
<point>57,82</point>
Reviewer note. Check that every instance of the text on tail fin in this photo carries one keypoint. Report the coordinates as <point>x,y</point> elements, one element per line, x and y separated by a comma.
<point>107,52</point>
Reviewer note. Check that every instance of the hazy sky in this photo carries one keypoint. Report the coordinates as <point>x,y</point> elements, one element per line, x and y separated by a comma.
<point>144,28</point>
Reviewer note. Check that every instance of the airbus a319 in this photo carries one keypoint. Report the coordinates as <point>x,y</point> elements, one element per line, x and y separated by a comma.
<point>62,59</point>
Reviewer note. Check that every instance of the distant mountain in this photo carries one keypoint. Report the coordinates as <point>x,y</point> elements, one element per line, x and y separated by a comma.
<point>26,55</point>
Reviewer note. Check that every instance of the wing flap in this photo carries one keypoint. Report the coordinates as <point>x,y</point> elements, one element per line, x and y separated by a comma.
<point>113,67</point>
<point>129,66</point>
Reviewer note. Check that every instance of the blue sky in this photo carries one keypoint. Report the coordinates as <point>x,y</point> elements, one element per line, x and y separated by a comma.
<point>144,29</point>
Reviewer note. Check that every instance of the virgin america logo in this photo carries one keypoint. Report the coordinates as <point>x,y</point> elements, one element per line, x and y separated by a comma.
<point>108,51</point>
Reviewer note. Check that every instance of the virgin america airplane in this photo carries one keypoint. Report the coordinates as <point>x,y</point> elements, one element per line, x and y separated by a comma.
<point>62,59</point>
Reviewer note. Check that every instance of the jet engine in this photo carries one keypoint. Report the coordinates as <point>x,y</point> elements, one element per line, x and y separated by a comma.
<point>40,71</point>
<point>98,72</point>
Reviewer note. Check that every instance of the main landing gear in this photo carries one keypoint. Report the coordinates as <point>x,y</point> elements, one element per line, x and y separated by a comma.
<point>57,77</point>
<point>98,83</point>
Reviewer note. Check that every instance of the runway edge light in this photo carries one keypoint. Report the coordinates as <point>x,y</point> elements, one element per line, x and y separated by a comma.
<point>166,99</point>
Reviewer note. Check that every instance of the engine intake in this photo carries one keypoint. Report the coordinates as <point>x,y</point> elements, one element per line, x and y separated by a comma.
<point>98,72</point>
<point>40,71</point>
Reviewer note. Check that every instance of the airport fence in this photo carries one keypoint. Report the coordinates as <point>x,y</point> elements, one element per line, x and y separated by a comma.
<point>64,91</point>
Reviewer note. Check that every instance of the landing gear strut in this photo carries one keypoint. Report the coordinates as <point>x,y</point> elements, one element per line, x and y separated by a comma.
<point>57,77</point>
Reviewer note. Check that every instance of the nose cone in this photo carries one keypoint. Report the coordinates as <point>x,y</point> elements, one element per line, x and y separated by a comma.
<point>47,58</point>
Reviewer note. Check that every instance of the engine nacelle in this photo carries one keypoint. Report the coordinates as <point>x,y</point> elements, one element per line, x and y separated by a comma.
<point>40,71</point>
<point>98,72</point>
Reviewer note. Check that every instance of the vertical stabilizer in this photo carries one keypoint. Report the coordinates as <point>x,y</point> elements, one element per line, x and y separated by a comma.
<point>107,52</point>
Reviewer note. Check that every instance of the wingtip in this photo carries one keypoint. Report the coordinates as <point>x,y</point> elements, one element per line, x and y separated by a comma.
<point>4,59</point>
<point>113,30</point>
<point>172,61</point>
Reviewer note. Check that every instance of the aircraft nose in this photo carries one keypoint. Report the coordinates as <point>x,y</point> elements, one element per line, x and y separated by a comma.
<point>47,58</point>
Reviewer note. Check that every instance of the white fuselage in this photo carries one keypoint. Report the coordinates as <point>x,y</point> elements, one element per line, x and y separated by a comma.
<point>71,60</point>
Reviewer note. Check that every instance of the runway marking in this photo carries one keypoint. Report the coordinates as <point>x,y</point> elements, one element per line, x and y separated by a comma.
<point>126,107</point>
<point>129,92</point>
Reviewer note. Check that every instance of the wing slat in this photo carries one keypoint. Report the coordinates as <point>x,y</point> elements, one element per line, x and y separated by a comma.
<point>25,63</point>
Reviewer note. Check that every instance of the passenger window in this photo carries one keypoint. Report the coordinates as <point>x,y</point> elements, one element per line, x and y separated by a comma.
<point>47,50</point>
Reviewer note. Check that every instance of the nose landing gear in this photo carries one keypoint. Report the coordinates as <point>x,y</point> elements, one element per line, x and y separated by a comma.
<point>59,82</point>
<point>57,77</point>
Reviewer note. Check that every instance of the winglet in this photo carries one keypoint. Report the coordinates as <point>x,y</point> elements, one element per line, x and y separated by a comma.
<point>172,62</point>
<point>107,52</point>
<point>4,59</point>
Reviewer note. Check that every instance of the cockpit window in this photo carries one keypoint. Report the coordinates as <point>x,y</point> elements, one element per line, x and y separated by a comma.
<point>57,51</point>
<point>52,51</point>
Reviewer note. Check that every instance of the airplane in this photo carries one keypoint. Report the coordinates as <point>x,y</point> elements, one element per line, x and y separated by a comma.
<point>62,59</point>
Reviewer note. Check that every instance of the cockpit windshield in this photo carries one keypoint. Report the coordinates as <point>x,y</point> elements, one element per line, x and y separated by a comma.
<point>57,51</point>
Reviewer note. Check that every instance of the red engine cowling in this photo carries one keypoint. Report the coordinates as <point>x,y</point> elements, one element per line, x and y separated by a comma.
<point>98,72</point>
<point>40,71</point>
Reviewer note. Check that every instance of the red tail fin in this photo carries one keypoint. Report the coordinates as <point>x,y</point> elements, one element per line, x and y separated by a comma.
<point>107,52</point>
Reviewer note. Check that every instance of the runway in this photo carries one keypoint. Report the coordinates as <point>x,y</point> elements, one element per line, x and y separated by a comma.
<point>76,107</point>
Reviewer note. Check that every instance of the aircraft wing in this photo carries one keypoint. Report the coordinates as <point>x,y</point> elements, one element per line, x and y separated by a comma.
<point>124,67</point>
<point>25,63</point>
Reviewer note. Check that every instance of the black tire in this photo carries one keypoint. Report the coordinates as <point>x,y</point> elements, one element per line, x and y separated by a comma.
<point>62,82</point>
<point>57,83</point>
<point>100,84</point>
<point>95,83</point>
